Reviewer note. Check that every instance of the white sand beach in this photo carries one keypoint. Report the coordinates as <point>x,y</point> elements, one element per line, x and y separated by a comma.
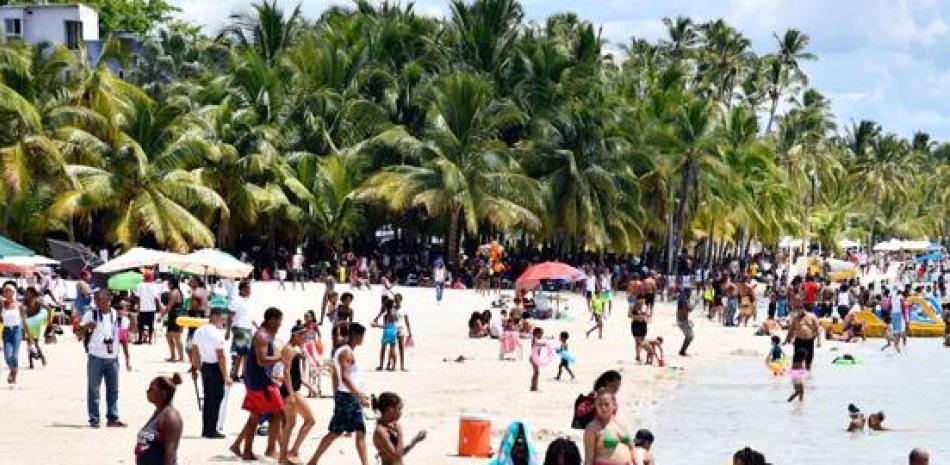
<point>44,415</point>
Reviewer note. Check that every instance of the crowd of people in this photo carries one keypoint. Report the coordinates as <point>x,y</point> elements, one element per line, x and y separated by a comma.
<point>234,347</point>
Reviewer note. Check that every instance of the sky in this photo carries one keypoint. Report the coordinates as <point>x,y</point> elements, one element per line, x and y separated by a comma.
<point>882,60</point>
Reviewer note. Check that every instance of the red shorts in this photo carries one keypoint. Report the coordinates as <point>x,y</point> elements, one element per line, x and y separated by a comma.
<point>266,400</point>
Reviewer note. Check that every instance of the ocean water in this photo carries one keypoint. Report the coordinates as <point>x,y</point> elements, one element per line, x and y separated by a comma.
<point>718,411</point>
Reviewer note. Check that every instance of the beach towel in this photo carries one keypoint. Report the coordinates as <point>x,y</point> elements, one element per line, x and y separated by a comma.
<point>508,443</point>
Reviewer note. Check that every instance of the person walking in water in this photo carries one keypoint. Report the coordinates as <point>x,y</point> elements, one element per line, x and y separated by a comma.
<point>348,397</point>
<point>803,331</point>
<point>262,396</point>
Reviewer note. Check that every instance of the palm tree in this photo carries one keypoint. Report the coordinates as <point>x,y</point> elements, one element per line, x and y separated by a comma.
<point>266,30</point>
<point>785,70</point>
<point>465,172</point>
<point>140,183</point>
<point>485,32</point>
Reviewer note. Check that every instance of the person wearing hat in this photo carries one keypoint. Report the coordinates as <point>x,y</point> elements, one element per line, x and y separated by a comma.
<point>148,295</point>
<point>208,359</point>
<point>643,440</point>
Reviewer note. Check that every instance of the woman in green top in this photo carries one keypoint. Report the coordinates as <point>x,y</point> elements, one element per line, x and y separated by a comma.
<point>597,308</point>
<point>606,441</point>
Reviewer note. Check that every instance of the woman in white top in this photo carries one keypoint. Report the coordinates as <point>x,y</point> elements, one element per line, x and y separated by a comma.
<point>13,317</point>
<point>844,301</point>
<point>348,399</point>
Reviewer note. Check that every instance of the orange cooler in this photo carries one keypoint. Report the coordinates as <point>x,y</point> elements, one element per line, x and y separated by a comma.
<point>474,436</point>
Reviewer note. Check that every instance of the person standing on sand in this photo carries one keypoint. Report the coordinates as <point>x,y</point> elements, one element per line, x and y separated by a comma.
<point>207,358</point>
<point>148,303</point>
<point>746,301</point>
<point>348,398</point>
<point>242,328</point>
<point>292,356</point>
<point>649,293</point>
<point>731,290</point>
<point>102,327</point>
<point>296,267</point>
<point>439,276</point>
<point>262,396</point>
<point>638,324</point>
<point>157,442</point>
<point>683,307</point>
<point>13,317</point>
<point>634,290</point>
<point>172,311</point>
<point>803,330</point>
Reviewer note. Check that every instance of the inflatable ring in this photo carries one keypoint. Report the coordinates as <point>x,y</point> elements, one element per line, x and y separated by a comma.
<point>568,357</point>
<point>845,361</point>
<point>777,367</point>
<point>543,356</point>
<point>190,322</point>
<point>35,323</point>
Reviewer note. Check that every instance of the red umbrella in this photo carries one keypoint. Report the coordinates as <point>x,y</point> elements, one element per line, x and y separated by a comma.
<point>14,269</point>
<point>547,271</point>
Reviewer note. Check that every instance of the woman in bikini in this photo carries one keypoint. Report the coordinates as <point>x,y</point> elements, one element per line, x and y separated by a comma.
<point>638,325</point>
<point>606,441</point>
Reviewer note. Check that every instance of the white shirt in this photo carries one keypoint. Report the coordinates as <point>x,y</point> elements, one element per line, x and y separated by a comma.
<point>241,313</point>
<point>355,377</point>
<point>106,328</point>
<point>209,339</point>
<point>147,293</point>
<point>605,282</point>
<point>844,299</point>
<point>438,274</point>
<point>591,284</point>
<point>297,262</point>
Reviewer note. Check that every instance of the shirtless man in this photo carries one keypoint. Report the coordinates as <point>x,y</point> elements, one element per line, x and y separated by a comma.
<point>634,290</point>
<point>731,291</point>
<point>746,301</point>
<point>649,293</point>
<point>826,299</point>
<point>803,330</point>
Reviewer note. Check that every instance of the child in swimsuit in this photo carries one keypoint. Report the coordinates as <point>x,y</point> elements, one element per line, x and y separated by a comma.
<point>654,349</point>
<point>566,357</point>
<point>536,344</point>
<point>797,375</point>
<point>776,358</point>
<point>387,437</point>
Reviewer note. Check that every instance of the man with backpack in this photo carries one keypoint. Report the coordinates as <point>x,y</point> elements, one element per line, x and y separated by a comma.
<point>100,327</point>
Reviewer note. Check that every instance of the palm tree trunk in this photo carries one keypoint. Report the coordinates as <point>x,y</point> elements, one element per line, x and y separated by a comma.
<point>451,242</point>
<point>877,208</point>
<point>678,225</point>
<point>768,127</point>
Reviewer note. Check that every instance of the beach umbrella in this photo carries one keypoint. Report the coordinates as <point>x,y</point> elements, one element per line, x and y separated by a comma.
<point>8,268</point>
<point>32,260</point>
<point>137,257</point>
<point>125,281</point>
<point>73,257</point>
<point>212,262</point>
<point>533,276</point>
<point>9,248</point>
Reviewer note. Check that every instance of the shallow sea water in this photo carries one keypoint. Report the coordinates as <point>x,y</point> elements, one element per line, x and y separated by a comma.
<point>718,411</point>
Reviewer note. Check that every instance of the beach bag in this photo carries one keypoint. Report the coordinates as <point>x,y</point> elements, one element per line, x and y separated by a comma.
<point>583,411</point>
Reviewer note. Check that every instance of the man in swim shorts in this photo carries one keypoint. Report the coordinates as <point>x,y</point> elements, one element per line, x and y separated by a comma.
<point>242,327</point>
<point>803,330</point>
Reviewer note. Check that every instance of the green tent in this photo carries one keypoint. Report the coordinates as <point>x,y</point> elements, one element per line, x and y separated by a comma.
<point>9,248</point>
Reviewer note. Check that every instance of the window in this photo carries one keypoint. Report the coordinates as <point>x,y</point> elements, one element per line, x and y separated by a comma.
<point>13,29</point>
<point>73,34</point>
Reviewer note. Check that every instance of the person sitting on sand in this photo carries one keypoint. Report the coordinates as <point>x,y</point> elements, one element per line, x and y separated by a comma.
<point>654,349</point>
<point>606,441</point>
<point>476,329</point>
<point>516,447</point>
<point>388,436</point>
<point>643,440</point>
<point>856,420</point>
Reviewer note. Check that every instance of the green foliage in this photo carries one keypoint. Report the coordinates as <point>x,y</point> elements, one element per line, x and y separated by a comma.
<point>135,16</point>
<point>477,125</point>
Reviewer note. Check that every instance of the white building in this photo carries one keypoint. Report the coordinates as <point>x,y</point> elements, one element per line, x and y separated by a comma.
<point>70,25</point>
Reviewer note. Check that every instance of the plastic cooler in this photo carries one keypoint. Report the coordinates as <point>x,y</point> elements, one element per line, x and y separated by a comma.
<point>474,435</point>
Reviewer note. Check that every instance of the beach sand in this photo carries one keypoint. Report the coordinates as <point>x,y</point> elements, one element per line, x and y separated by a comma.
<point>44,416</point>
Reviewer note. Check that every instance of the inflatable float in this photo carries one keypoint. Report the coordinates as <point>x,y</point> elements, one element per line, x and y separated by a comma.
<point>873,326</point>
<point>925,317</point>
<point>190,322</point>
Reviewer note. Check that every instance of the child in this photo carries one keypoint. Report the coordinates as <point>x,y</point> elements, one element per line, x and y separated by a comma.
<point>597,309</point>
<point>708,306</point>
<point>566,357</point>
<point>388,436</point>
<point>797,374</point>
<point>390,334</point>
<point>644,440</point>
<point>536,344</point>
<point>776,357</point>
<point>654,349</point>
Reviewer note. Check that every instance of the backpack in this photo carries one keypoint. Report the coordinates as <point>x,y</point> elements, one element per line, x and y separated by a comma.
<point>583,411</point>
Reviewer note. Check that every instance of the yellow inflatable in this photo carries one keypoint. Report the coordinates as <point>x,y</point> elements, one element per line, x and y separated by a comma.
<point>191,322</point>
<point>924,320</point>
<point>873,326</point>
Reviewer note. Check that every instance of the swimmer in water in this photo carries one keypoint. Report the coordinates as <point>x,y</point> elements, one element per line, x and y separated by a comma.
<point>857,419</point>
<point>875,421</point>
<point>797,375</point>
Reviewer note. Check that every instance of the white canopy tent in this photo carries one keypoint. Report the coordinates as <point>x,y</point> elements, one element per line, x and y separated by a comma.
<point>29,261</point>
<point>892,245</point>
<point>211,262</point>
<point>137,257</point>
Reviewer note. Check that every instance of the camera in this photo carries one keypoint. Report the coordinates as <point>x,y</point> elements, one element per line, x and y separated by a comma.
<point>108,343</point>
